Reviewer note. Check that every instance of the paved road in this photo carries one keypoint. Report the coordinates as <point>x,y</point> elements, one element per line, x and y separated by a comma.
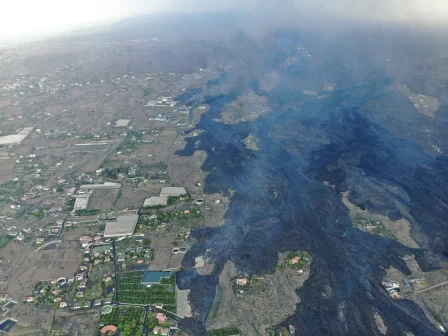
<point>116,273</point>
<point>166,312</point>
<point>70,298</point>
<point>146,330</point>
<point>61,231</point>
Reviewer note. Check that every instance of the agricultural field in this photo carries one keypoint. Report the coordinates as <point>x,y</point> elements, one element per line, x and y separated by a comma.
<point>87,212</point>
<point>180,215</point>
<point>372,225</point>
<point>4,240</point>
<point>130,290</point>
<point>162,220</point>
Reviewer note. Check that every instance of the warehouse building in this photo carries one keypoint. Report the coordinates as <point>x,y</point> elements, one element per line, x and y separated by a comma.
<point>105,185</point>
<point>173,191</point>
<point>121,226</point>
<point>15,139</point>
<point>156,201</point>
<point>82,201</point>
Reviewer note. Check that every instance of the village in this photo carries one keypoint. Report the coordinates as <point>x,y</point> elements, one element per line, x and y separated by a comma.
<point>178,187</point>
<point>95,218</point>
<point>106,216</point>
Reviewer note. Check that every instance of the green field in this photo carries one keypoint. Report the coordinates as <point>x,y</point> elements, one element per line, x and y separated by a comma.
<point>4,240</point>
<point>87,212</point>
<point>130,290</point>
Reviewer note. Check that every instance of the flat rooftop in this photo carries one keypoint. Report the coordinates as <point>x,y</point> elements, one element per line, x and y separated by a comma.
<point>105,185</point>
<point>91,147</point>
<point>156,201</point>
<point>122,226</point>
<point>82,201</point>
<point>16,138</point>
<point>173,191</point>
<point>122,122</point>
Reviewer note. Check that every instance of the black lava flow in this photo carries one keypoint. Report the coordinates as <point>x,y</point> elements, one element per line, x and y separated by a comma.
<point>281,203</point>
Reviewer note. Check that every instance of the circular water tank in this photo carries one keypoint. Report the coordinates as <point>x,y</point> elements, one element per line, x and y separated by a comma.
<point>61,281</point>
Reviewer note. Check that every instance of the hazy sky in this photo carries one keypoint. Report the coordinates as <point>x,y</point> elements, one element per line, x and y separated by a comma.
<point>29,19</point>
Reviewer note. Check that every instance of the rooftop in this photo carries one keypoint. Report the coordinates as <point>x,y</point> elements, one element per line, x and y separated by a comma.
<point>106,329</point>
<point>122,122</point>
<point>156,201</point>
<point>161,331</point>
<point>16,138</point>
<point>105,185</point>
<point>122,226</point>
<point>82,201</point>
<point>173,191</point>
<point>161,317</point>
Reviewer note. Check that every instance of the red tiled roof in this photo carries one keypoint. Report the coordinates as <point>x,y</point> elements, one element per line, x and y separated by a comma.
<point>108,328</point>
<point>161,317</point>
<point>241,282</point>
<point>295,260</point>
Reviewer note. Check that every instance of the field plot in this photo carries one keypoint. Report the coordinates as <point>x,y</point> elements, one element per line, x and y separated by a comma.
<point>6,166</point>
<point>162,245</point>
<point>65,323</point>
<point>130,290</point>
<point>129,196</point>
<point>52,265</point>
<point>28,268</point>
<point>91,147</point>
<point>4,240</point>
<point>31,321</point>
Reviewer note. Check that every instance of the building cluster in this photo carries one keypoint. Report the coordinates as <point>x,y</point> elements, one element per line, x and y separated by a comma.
<point>393,287</point>
<point>6,304</point>
<point>54,291</point>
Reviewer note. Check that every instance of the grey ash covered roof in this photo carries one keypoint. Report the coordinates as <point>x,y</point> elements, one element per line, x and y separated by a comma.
<point>122,226</point>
